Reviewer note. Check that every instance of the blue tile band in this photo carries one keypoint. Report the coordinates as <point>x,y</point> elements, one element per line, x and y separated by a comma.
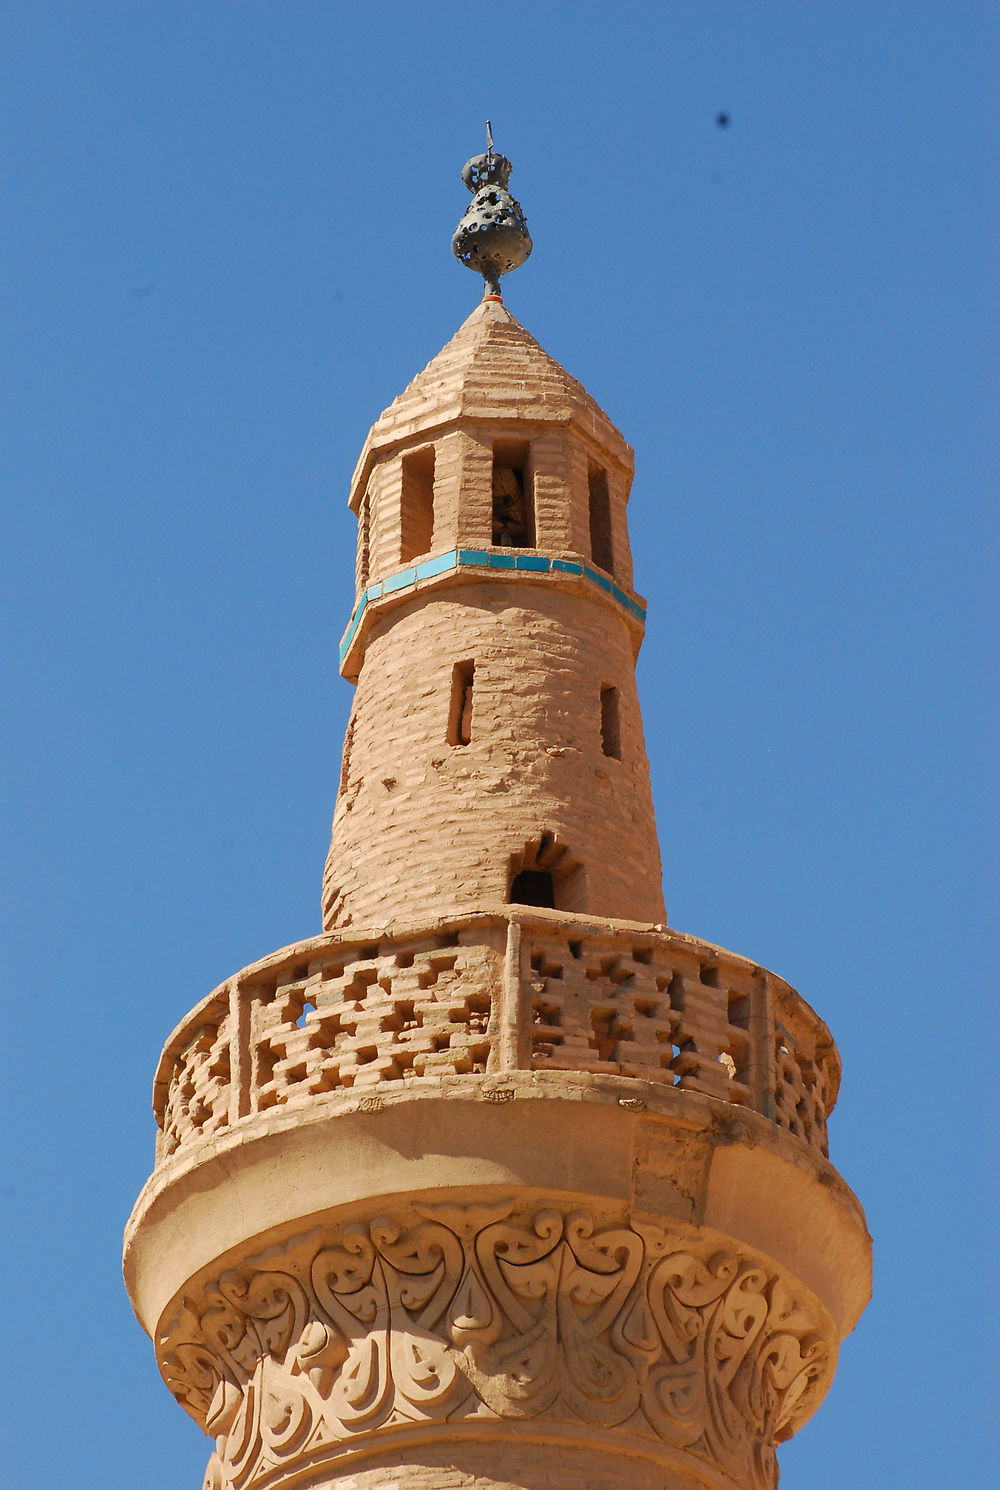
<point>399,581</point>
<point>437,565</point>
<point>481,558</point>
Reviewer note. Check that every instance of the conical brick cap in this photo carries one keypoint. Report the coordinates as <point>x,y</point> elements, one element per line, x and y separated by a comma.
<point>493,369</point>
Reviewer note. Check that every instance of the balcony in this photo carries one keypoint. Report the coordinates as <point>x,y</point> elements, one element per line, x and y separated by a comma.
<point>489,995</point>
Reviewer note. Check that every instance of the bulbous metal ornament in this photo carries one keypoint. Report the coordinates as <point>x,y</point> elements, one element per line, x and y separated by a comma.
<point>492,237</point>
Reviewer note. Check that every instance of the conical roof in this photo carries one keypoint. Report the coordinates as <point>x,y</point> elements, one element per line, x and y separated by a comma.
<point>492,370</point>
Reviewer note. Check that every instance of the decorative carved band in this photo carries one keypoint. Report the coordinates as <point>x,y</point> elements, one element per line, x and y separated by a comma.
<point>487,1312</point>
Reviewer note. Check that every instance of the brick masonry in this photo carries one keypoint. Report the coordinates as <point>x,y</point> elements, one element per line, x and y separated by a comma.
<point>498,1183</point>
<point>425,828</point>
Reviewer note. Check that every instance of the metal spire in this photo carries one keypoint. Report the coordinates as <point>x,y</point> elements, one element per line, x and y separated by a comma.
<point>492,237</point>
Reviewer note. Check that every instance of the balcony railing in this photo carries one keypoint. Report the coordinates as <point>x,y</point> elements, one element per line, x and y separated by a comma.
<point>492,994</point>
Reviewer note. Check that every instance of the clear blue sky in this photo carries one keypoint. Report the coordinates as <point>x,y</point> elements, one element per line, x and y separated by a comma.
<point>225,248</point>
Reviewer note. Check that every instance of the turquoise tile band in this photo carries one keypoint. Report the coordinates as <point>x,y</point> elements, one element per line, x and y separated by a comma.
<point>481,558</point>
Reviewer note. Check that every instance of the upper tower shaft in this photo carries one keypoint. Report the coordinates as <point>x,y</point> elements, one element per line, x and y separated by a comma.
<point>495,751</point>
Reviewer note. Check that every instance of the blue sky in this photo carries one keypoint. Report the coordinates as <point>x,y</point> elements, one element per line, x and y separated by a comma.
<point>225,248</point>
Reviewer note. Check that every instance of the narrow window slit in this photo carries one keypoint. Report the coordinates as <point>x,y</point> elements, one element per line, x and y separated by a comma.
<point>364,539</point>
<point>611,737</point>
<point>416,504</point>
<point>600,519</point>
<point>345,764</point>
<point>460,713</point>
<point>513,515</point>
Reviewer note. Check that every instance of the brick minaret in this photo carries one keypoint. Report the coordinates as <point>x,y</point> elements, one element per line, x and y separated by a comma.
<point>497,1183</point>
<point>496,729</point>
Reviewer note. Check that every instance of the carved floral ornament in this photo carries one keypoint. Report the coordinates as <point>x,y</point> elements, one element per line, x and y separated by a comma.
<point>452,1312</point>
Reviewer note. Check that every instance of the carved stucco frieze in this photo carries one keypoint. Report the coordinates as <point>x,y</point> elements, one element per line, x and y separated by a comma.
<point>458,1312</point>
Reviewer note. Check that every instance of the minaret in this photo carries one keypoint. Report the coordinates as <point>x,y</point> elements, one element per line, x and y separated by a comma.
<point>497,1183</point>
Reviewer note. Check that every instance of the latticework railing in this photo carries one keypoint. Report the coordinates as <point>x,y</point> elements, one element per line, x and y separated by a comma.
<point>489,994</point>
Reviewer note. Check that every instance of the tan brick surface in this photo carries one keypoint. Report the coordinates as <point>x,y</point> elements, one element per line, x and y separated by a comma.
<point>493,382</point>
<point>493,369</point>
<point>423,827</point>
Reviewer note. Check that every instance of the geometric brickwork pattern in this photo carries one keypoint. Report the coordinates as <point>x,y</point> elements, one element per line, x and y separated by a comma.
<point>386,1017</point>
<point>198,1099</point>
<point>470,998</point>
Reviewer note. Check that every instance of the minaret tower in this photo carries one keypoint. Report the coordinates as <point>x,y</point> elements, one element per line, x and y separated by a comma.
<point>497,1183</point>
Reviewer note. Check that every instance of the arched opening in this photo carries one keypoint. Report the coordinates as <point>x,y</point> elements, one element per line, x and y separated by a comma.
<point>533,887</point>
<point>546,874</point>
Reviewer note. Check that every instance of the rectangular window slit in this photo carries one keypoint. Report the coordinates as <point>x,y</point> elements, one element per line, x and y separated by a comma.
<point>600,519</point>
<point>416,504</point>
<point>513,514</point>
<point>460,712</point>
<point>364,539</point>
<point>345,764</point>
<point>611,738</point>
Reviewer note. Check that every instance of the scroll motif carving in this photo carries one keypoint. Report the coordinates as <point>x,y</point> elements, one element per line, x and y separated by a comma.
<point>444,1312</point>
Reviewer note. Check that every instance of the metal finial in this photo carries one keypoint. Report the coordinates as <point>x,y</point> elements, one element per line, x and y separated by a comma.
<point>492,237</point>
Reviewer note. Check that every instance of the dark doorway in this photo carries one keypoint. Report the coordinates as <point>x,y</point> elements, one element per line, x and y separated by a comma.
<point>533,887</point>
